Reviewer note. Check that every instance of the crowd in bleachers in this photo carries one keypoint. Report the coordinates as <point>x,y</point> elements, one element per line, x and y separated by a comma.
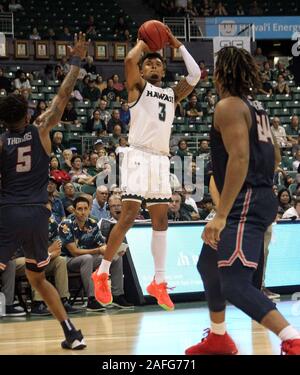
<point>211,8</point>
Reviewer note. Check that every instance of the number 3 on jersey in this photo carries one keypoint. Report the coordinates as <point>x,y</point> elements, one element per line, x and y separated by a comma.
<point>162,111</point>
<point>24,159</point>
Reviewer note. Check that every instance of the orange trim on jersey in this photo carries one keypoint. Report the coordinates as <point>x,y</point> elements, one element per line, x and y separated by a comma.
<point>238,252</point>
<point>40,264</point>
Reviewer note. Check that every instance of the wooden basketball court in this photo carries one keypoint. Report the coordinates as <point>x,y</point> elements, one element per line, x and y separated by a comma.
<point>146,330</point>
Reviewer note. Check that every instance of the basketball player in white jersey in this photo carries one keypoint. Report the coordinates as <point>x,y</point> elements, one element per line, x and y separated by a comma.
<point>145,168</point>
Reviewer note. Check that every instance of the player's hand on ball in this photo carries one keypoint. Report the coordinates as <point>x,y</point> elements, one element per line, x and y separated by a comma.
<point>212,232</point>
<point>174,42</point>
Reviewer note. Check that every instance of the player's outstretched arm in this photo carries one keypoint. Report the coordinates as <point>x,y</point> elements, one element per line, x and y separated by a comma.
<point>52,116</point>
<point>187,84</point>
<point>134,81</point>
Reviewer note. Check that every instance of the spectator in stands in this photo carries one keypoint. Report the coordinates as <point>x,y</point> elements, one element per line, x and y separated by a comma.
<point>66,35</point>
<point>110,93</point>
<point>203,70</point>
<point>211,100</point>
<point>78,174</point>
<point>57,146</point>
<point>117,84</point>
<point>65,164</point>
<point>69,197</point>
<point>206,9</point>
<point>187,193</point>
<point>35,34</point>
<point>92,170</point>
<point>267,71</point>
<point>120,27</point>
<point>255,10</point>
<point>296,146</point>
<point>293,130</point>
<point>191,10</point>
<point>90,29</point>
<point>100,206</point>
<point>50,35</point>
<point>58,73</point>
<point>60,176</point>
<point>193,108</point>
<point>116,134</point>
<point>122,147</point>
<point>99,146</point>
<point>220,10</point>
<point>177,210</point>
<point>183,149</point>
<point>203,147</point>
<point>206,207</point>
<point>284,199</point>
<point>40,108</point>
<point>259,57</point>
<point>294,211</point>
<point>105,116</point>
<point>57,207</point>
<point>240,10</point>
<point>5,83</point>
<point>69,116</point>
<point>90,67</point>
<point>84,247</point>
<point>282,87</point>
<point>100,83</point>
<point>296,162</point>
<point>14,6</point>
<point>279,132</point>
<point>115,120</point>
<point>95,124</point>
<point>21,82</point>
<point>47,74</point>
<point>280,70</point>
<point>266,88</point>
<point>125,113</point>
<point>8,277</point>
<point>91,92</point>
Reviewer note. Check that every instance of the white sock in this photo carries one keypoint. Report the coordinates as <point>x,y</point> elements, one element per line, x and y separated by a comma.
<point>159,252</point>
<point>289,333</point>
<point>104,267</point>
<point>218,328</point>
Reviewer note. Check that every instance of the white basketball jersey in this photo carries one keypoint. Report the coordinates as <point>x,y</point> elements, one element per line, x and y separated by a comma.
<point>151,118</point>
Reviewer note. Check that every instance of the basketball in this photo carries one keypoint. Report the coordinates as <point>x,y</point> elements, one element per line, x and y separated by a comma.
<point>154,34</point>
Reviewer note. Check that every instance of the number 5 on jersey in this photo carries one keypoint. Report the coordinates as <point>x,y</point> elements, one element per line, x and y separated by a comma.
<point>24,159</point>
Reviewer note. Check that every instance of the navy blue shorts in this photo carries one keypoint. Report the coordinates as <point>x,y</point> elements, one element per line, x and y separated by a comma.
<point>26,227</point>
<point>243,237</point>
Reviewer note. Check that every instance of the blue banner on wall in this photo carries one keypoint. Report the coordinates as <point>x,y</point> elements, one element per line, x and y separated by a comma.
<point>265,27</point>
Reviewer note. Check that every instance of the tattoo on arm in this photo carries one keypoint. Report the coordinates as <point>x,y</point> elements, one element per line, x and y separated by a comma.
<point>182,90</point>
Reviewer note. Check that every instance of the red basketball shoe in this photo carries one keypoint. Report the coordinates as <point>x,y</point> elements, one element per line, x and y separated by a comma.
<point>290,347</point>
<point>213,344</point>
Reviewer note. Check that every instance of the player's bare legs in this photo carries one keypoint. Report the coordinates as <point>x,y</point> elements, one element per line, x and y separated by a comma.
<point>130,210</point>
<point>74,338</point>
<point>49,294</point>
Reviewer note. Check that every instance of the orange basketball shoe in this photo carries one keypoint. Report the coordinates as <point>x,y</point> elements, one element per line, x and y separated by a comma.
<point>290,347</point>
<point>159,291</point>
<point>102,289</point>
<point>213,344</point>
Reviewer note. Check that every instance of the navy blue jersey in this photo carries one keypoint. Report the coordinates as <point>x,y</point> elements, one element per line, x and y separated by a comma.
<point>262,157</point>
<point>24,167</point>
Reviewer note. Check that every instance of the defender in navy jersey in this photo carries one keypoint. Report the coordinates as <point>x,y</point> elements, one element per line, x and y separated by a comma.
<point>243,158</point>
<point>24,168</point>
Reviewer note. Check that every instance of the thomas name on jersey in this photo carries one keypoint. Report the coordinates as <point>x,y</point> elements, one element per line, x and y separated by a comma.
<point>160,96</point>
<point>15,141</point>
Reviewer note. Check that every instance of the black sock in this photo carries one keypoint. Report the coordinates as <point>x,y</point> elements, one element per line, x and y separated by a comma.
<point>68,328</point>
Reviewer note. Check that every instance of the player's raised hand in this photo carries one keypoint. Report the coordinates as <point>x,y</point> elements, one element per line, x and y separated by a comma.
<point>173,41</point>
<point>81,45</point>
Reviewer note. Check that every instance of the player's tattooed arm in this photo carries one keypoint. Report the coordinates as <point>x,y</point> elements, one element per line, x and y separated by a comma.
<point>182,90</point>
<point>52,116</point>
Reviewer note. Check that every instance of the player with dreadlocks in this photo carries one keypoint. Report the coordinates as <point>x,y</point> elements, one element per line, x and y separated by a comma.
<point>243,158</point>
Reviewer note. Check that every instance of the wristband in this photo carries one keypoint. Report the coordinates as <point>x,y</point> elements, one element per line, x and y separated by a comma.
<point>75,60</point>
